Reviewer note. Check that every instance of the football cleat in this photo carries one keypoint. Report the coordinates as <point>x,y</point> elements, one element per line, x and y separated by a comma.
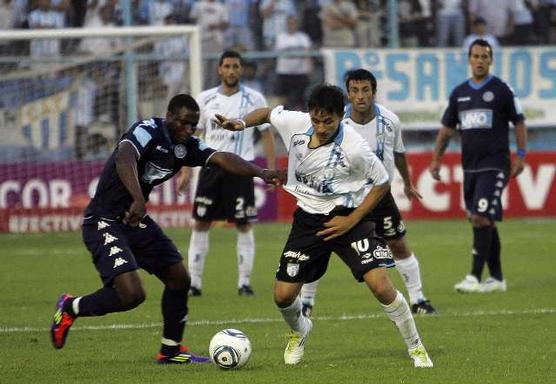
<point>493,285</point>
<point>62,323</point>
<point>306,310</point>
<point>245,290</point>
<point>296,346</point>
<point>468,285</point>
<point>194,291</point>
<point>420,357</point>
<point>182,357</point>
<point>423,307</point>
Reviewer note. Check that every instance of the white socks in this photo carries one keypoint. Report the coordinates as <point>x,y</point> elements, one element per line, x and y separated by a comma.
<point>293,317</point>
<point>409,269</point>
<point>398,311</point>
<point>245,256</point>
<point>198,249</point>
<point>308,292</point>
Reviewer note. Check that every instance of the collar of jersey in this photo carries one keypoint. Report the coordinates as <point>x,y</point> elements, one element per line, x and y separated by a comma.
<point>477,86</point>
<point>337,138</point>
<point>348,109</point>
<point>241,89</point>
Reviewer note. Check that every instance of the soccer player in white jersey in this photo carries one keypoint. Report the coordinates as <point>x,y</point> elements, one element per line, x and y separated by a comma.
<point>381,128</point>
<point>337,180</point>
<point>221,195</point>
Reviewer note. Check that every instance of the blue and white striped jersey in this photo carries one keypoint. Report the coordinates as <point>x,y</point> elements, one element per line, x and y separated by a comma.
<point>211,102</point>
<point>340,173</point>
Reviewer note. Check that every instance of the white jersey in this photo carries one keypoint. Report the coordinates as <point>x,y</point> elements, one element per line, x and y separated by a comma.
<point>383,133</point>
<point>239,104</point>
<point>340,173</point>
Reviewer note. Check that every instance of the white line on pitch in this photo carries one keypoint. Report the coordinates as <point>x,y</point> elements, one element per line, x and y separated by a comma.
<point>345,317</point>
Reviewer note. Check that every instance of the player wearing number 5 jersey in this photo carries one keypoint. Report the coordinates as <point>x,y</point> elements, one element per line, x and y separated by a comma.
<point>381,129</point>
<point>481,108</point>
<point>337,180</point>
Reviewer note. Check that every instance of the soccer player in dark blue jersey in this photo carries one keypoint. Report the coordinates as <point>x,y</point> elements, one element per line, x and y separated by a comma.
<point>482,108</point>
<point>122,238</point>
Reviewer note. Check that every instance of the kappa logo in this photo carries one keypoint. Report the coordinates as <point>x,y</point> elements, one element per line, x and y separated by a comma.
<point>161,149</point>
<point>119,262</point>
<point>292,269</point>
<point>108,238</point>
<point>114,250</point>
<point>102,224</point>
<point>296,255</point>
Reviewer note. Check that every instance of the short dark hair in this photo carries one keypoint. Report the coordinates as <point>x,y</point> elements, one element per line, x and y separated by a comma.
<point>328,98</point>
<point>360,75</point>
<point>482,43</point>
<point>232,54</point>
<point>182,100</point>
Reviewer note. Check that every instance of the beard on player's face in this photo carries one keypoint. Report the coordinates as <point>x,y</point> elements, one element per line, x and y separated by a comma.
<point>230,82</point>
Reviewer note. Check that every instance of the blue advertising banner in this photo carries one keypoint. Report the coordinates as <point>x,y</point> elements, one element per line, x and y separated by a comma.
<point>416,83</point>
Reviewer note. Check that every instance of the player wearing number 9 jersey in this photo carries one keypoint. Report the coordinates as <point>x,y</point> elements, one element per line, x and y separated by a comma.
<point>481,108</point>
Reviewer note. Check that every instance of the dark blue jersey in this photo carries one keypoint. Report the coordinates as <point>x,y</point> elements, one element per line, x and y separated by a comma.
<point>159,160</point>
<point>482,113</point>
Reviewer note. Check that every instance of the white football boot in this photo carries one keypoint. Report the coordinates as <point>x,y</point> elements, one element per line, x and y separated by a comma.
<point>493,285</point>
<point>420,357</point>
<point>468,285</point>
<point>296,345</point>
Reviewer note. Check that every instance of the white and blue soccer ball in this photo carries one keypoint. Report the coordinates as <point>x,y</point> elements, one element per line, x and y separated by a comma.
<point>230,349</point>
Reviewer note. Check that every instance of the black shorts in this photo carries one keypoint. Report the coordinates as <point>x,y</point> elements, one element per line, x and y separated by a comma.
<point>224,196</point>
<point>305,256</point>
<point>387,218</point>
<point>482,192</point>
<point>117,248</point>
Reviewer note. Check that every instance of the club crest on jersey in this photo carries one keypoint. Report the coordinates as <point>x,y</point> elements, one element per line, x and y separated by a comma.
<point>488,96</point>
<point>201,211</point>
<point>292,269</point>
<point>180,151</point>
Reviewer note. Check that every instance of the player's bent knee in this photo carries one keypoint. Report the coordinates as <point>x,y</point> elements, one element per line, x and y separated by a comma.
<point>132,298</point>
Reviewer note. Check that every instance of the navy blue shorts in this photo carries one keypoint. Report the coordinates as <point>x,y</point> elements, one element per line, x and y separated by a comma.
<point>388,219</point>
<point>117,248</point>
<point>305,256</point>
<point>482,192</point>
<point>222,195</point>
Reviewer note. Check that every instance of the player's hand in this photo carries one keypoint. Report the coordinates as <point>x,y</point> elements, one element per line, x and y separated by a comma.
<point>274,176</point>
<point>517,166</point>
<point>336,227</point>
<point>229,124</point>
<point>434,169</point>
<point>411,192</point>
<point>183,182</point>
<point>136,212</point>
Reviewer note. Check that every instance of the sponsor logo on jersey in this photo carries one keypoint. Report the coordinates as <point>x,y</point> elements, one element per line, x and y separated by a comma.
<point>488,96</point>
<point>462,99</point>
<point>180,151</point>
<point>296,255</point>
<point>476,118</point>
<point>292,269</point>
<point>153,172</point>
<point>298,142</point>
<point>161,149</point>
<point>119,262</point>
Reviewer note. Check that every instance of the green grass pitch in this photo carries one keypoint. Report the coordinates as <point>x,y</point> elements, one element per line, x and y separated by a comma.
<point>490,338</point>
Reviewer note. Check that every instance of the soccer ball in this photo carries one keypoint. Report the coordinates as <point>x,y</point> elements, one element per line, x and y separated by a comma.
<point>230,349</point>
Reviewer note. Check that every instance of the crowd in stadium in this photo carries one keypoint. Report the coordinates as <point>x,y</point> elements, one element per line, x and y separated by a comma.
<point>255,24</point>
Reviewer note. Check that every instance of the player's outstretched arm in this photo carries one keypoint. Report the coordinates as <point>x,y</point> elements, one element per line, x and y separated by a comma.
<point>442,140</point>
<point>256,117</point>
<point>234,164</point>
<point>126,167</point>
